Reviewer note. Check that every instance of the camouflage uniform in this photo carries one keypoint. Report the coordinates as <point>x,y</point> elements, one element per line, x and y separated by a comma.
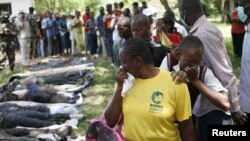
<point>32,18</point>
<point>7,42</point>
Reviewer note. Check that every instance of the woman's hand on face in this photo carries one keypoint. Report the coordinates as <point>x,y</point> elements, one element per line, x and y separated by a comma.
<point>121,75</point>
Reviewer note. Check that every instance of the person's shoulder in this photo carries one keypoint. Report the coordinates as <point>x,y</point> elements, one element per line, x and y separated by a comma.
<point>165,74</point>
<point>210,27</point>
<point>209,30</point>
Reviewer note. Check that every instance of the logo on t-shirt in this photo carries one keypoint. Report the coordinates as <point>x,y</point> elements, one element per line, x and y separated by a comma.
<point>155,105</point>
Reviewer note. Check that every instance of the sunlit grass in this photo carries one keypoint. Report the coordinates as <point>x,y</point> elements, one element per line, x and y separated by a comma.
<point>99,94</point>
<point>6,73</point>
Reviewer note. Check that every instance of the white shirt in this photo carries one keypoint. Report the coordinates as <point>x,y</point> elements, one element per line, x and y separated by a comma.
<point>244,87</point>
<point>181,29</point>
<point>25,31</point>
<point>71,32</point>
<point>115,34</point>
<point>202,105</point>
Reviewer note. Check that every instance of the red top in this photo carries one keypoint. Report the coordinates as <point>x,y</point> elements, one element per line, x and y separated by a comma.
<point>175,38</point>
<point>85,17</point>
<point>237,27</point>
<point>107,21</point>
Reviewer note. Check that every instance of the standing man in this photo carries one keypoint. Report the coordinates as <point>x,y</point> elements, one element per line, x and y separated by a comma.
<point>244,88</point>
<point>32,18</point>
<point>215,55</point>
<point>85,17</point>
<point>140,27</point>
<point>48,25</point>
<point>24,37</point>
<point>7,41</point>
<point>124,31</point>
<point>108,29</point>
<point>101,32</point>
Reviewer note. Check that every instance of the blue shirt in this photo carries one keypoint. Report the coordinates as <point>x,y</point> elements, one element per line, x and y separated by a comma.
<point>100,25</point>
<point>49,27</point>
<point>91,23</point>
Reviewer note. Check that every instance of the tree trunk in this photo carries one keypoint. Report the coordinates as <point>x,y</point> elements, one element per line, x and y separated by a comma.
<point>165,4</point>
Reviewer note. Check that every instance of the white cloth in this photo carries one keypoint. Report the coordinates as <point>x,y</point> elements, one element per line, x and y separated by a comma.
<point>149,11</point>
<point>25,31</point>
<point>202,104</point>
<point>71,37</point>
<point>181,29</point>
<point>25,50</point>
<point>244,87</point>
<point>128,84</point>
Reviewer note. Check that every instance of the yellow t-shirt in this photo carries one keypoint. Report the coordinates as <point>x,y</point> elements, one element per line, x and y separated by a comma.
<point>152,107</point>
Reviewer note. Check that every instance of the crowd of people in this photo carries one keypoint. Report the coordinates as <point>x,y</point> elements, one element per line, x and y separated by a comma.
<point>168,73</point>
<point>148,102</point>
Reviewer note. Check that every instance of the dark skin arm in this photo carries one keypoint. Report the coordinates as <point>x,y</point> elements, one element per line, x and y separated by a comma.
<point>217,98</point>
<point>114,108</point>
<point>187,131</point>
<point>239,117</point>
<point>179,76</point>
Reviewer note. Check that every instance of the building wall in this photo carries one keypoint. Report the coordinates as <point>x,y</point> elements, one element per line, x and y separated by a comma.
<point>17,5</point>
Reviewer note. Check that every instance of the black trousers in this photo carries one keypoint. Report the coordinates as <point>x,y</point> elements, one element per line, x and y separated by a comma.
<point>238,43</point>
<point>27,119</point>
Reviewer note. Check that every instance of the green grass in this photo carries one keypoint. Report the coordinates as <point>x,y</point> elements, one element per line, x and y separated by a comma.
<point>99,94</point>
<point>6,73</point>
<point>234,59</point>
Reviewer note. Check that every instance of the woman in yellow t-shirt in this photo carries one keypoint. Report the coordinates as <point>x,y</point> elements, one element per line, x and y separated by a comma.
<point>155,108</point>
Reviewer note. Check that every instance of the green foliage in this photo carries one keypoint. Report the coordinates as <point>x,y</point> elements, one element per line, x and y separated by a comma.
<point>65,6</point>
<point>93,4</point>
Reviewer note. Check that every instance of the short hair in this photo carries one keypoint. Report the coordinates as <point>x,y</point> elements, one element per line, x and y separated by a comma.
<point>193,6</point>
<point>170,14</point>
<point>141,19</point>
<point>109,6</point>
<point>116,4</point>
<point>31,8</point>
<point>135,4</point>
<point>190,42</point>
<point>135,47</point>
<point>121,4</point>
<point>101,8</point>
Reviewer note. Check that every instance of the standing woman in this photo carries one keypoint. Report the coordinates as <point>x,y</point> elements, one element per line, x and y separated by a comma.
<point>78,33</point>
<point>155,105</point>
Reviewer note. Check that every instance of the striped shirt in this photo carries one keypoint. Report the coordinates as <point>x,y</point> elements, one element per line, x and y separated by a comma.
<point>216,58</point>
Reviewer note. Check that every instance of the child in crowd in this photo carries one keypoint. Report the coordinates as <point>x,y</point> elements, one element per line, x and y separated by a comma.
<point>209,98</point>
